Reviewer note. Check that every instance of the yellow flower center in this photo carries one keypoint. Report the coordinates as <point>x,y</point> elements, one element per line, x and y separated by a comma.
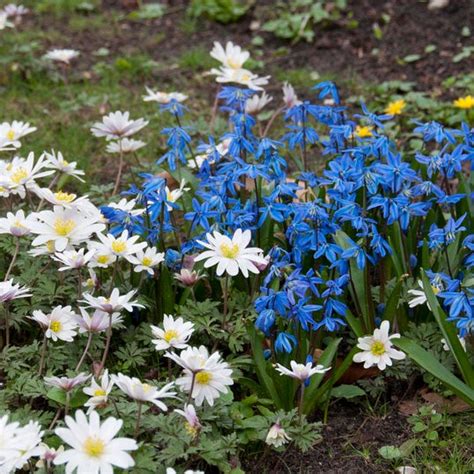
<point>94,446</point>
<point>64,227</point>
<point>18,224</point>
<point>50,246</point>
<point>245,77</point>
<point>65,163</point>
<point>229,251</point>
<point>170,334</point>
<point>233,64</point>
<point>191,429</point>
<point>378,348</point>
<point>146,387</point>
<point>363,132</point>
<point>11,134</point>
<point>118,246</point>
<point>146,261</point>
<point>99,392</point>
<point>435,289</point>
<point>102,259</point>
<point>204,377</point>
<point>19,175</point>
<point>56,326</point>
<point>64,197</point>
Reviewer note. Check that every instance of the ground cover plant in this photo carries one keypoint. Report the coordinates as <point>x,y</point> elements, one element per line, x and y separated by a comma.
<point>247,270</point>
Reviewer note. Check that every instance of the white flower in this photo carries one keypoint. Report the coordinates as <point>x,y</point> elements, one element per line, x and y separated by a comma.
<point>126,206</point>
<point>64,227</point>
<point>170,470</point>
<point>57,162</point>
<point>60,324</point>
<point>289,96</point>
<point>95,449</point>
<point>18,444</point>
<point>15,130</point>
<point>193,425</point>
<point>144,392</point>
<point>98,322</point>
<point>175,333</point>
<point>172,195</point>
<point>68,384</point>
<point>125,146</point>
<point>231,255</point>
<point>98,393</point>
<point>22,174</point>
<point>232,57</point>
<point>15,224</point>
<point>277,436</point>
<point>240,76</point>
<point>121,246</point>
<point>64,56</point>
<point>301,372</point>
<point>256,103</point>
<point>462,341</point>
<point>419,296</point>
<point>163,97</point>
<point>73,259</point>
<point>146,261</point>
<point>4,23</point>
<point>8,145</point>
<point>211,154</point>
<point>188,277</point>
<point>13,10</point>
<point>117,125</point>
<point>114,303</point>
<point>10,291</point>
<point>102,257</point>
<point>377,349</point>
<point>60,198</point>
<point>48,455</point>
<point>207,376</point>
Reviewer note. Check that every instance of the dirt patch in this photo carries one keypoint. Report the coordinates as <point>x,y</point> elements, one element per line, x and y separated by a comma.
<point>350,443</point>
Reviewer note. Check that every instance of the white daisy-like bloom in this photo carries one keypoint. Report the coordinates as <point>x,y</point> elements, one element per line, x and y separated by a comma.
<point>8,145</point>
<point>222,149</point>
<point>15,11</point>
<point>68,384</point>
<point>117,125</point>
<point>418,297</point>
<point>146,261</point>
<point>94,446</point>
<point>56,161</point>
<point>98,392</point>
<point>163,97</point>
<point>256,103</point>
<point>289,96</point>
<point>188,277</point>
<point>98,322</point>
<point>64,56</point>
<point>207,376</point>
<point>174,334</point>
<point>114,303</point>
<point>102,257</point>
<point>18,444</point>
<point>73,259</point>
<point>60,198</point>
<point>122,245</point>
<point>240,76</point>
<point>10,291</point>
<point>64,227</point>
<point>172,195</point>
<point>125,146</point>
<point>15,130</point>
<point>144,392</point>
<point>446,348</point>
<point>170,470</point>
<point>231,255</point>
<point>22,174</point>
<point>46,249</point>
<point>231,57</point>
<point>4,23</point>
<point>60,324</point>
<point>277,436</point>
<point>378,349</point>
<point>15,224</point>
<point>193,425</point>
<point>301,372</point>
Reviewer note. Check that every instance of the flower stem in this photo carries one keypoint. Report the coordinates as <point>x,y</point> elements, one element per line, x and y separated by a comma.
<point>226,297</point>
<point>86,350</point>
<point>300,404</point>
<point>44,347</point>
<point>14,257</point>
<point>107,343</point>
<point>119,172</point>
<point>7,324</point>
<point>193,381</point>
<point>139,416</point>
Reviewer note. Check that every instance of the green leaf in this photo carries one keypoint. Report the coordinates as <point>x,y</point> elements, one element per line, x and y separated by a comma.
<point>449,333</point>
<point>390,452</point>
<point>411,58</point>
<point>428,362</point>
<point>347,391</point>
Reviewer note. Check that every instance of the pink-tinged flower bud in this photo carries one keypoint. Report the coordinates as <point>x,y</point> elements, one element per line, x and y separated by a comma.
<point>277,436</point>
<point>263,266</point>
<point>187,277</point>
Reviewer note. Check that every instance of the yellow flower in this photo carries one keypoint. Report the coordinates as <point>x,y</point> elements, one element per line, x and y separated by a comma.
<point>396,107</point>
<point>464,102</point>
<point>363,131</point>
